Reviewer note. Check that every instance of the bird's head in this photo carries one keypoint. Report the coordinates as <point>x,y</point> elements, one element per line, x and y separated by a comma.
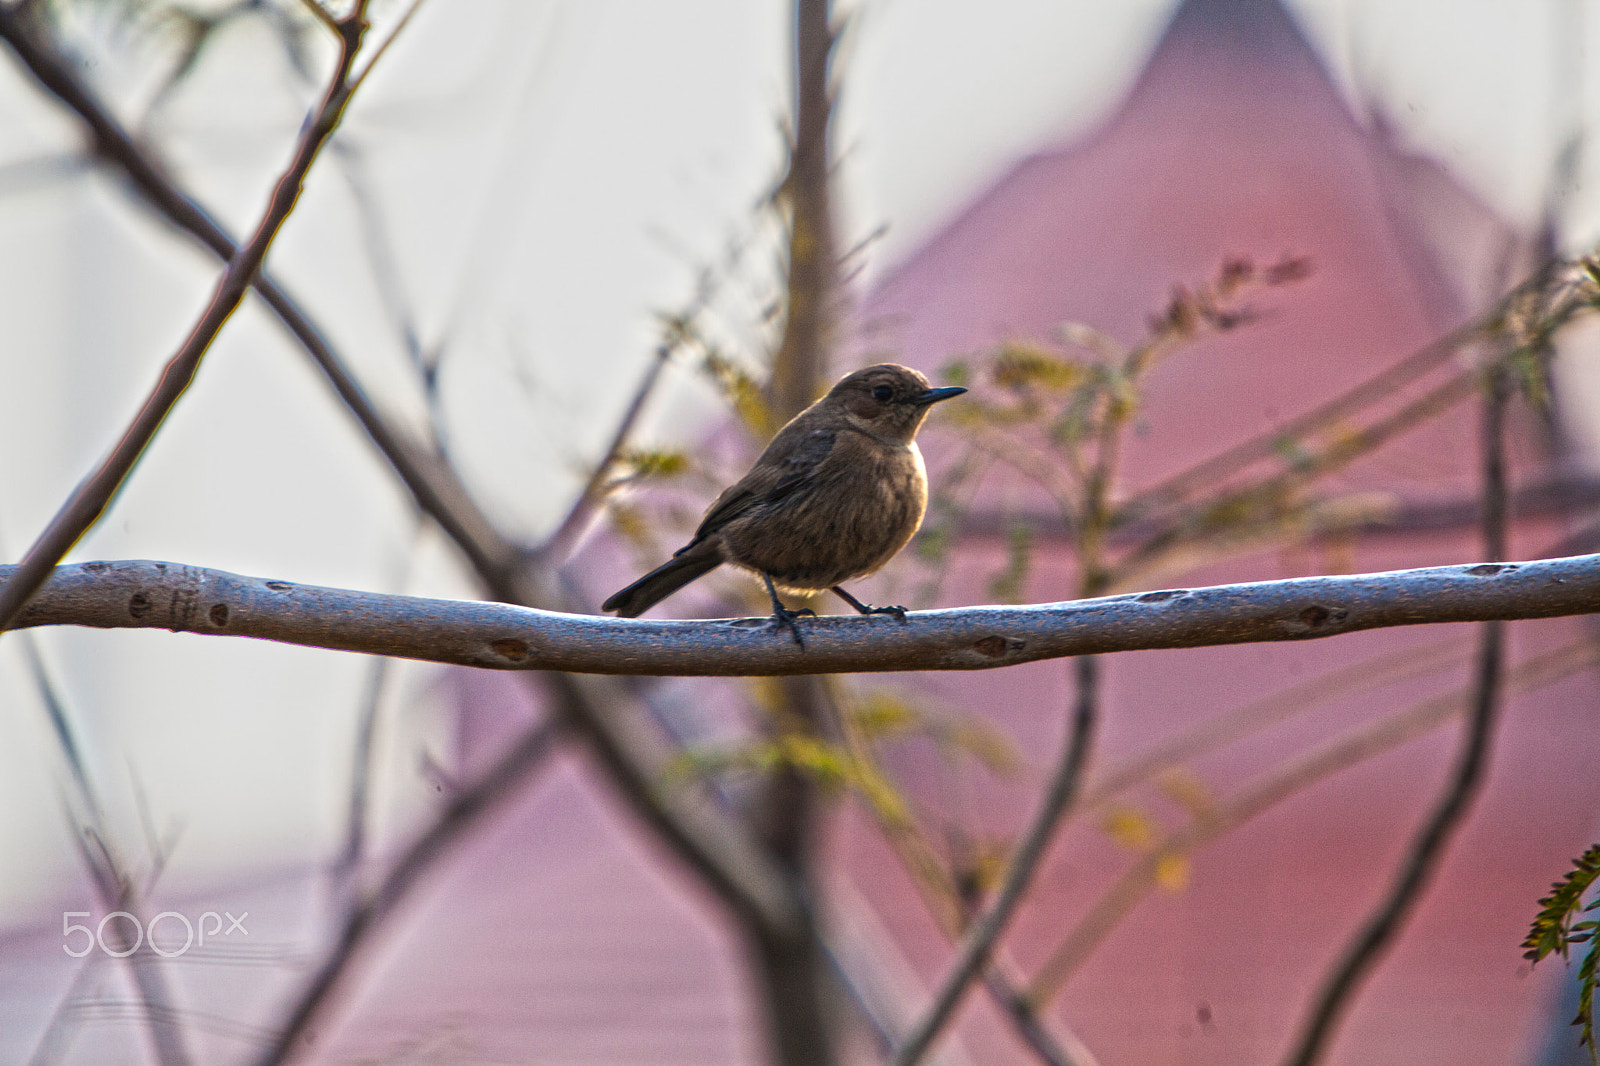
<point>887,401</point>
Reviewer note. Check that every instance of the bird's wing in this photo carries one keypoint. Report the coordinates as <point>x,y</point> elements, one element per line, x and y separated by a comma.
<point>767,481</point>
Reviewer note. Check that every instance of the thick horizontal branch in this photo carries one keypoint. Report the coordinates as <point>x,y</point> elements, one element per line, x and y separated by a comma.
<point>153,595</point>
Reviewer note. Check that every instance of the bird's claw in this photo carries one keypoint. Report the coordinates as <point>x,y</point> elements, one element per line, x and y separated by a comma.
<point>783,618</point>
<point>898,611</point>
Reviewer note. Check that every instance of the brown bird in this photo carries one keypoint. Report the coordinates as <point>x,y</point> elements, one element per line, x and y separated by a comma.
<point>839,491</point>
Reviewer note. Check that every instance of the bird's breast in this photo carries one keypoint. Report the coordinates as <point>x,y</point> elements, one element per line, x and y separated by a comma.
<point>859,508</point>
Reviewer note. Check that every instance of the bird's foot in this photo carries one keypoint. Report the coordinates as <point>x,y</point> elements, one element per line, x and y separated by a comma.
<point>783,618</point>
<point>867,608</point>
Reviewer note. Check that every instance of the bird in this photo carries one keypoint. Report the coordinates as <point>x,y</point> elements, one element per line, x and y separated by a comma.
<point>835,495</point>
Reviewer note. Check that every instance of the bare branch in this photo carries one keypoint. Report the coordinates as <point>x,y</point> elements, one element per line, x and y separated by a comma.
<point>1379,387</point>
<point>1524,322</point>
<point>1256,510</point>
<point>154,595</point>
<point>90,499</point>
<point>1273,787</point>
<point>950,910</point>
<point>564,540</point>
<point>377,54</point>
<point>358,813</point>
<point>513,770</point>
<point>438,491</point>
<point>1067,1050</point>
<point>116,887</point>
<point>1566,494</point>
<point>430,480</point>
<point>1428,847</point>
<point>321,14</point>
<point>981,938</point>
<point>1363,676</point>
<point>718,848</point>
<point>799,367</point>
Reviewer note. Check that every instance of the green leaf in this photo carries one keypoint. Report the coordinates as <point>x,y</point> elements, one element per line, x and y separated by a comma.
<point>1552,926</point>
<point>1554,931</point>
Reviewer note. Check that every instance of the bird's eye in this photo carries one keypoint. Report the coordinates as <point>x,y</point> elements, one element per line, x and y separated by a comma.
<point>883,394</point>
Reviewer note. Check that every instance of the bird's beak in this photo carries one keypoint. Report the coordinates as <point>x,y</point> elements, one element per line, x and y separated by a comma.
<point>935,395</point>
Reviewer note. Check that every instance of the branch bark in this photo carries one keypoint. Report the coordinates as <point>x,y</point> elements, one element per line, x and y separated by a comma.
<point>156,595</point>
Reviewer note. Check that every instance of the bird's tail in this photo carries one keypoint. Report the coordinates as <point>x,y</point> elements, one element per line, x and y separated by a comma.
<point>696,561</point>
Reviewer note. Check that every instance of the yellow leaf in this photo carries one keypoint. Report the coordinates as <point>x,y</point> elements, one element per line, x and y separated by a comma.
<point>879,714</point>
<point>630,522</point>
<point>1020,364</point>
<point>879,792</point>
<point>655,463</point>
<point>989,863</point>
<point>986,744</point>
<point>1188,791</point>
<point>1172,872</point>
<point>1129,827</point>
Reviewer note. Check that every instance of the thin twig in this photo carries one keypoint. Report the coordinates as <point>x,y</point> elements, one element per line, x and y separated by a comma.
<point>1272,788</point>
<point>116,888</point>
<point>386,277</point>
<point>1051,1049</point>
<point>564,540</point>
<point>1428,848</point>
<point>1043,470</point>
<point>359,811</point>
<point>435,486</point>
<point>981,938</point>
<point>1254,506</point>
<point>720,850</point>
<point>1558,293</point>
<point>1270,444</point>
<point>383,46</point>
<point>90,499</point>
<point>466,811</point>
<point>1365,676</point>
<point>1379,387</point>
<point>939,893</point>
<point>1567,495</point>
<point>361,755</point>
<point>321,14</point>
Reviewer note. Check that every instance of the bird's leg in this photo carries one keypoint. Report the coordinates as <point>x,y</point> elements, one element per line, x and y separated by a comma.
<point>783,617</point>
<point>864,608</point>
